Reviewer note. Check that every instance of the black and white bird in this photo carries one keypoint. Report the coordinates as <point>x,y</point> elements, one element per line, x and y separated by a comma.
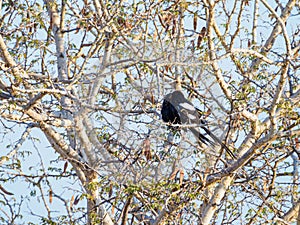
<point>177,110</point>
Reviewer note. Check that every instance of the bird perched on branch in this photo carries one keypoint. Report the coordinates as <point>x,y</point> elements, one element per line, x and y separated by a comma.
<point>177,110</point>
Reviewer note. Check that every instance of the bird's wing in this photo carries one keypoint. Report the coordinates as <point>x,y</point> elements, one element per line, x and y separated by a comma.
<point>188,113</point>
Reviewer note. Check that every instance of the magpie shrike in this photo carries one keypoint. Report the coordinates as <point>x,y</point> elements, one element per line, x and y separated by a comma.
<point>177,110</point>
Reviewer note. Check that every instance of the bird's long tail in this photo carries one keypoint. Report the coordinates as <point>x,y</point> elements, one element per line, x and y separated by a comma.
<point>206,141</point>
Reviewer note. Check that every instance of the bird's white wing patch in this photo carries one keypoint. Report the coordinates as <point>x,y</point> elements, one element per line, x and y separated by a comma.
<point>187,106</point>
<point>190,116</point>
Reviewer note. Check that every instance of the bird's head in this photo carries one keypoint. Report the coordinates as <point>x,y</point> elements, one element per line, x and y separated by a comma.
<point>175,97</point>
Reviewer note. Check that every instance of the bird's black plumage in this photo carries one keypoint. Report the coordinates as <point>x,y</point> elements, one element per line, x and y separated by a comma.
<point>169,113</point>
<point>176,109</point>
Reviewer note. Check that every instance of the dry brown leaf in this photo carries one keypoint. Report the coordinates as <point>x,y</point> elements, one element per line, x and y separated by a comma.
<point>65,167</point>
<point>195,21</point>
<point>147,149</point>
<point>181,176</point>
<point>297,143</point>
<point>72,201</point>
<point>173,175</point>
<point>110,190</point>
<point>112,209</point>
<point>152,99</point>
<point>50,196</point>
<point>201,36</point>
<point>76,200</point>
